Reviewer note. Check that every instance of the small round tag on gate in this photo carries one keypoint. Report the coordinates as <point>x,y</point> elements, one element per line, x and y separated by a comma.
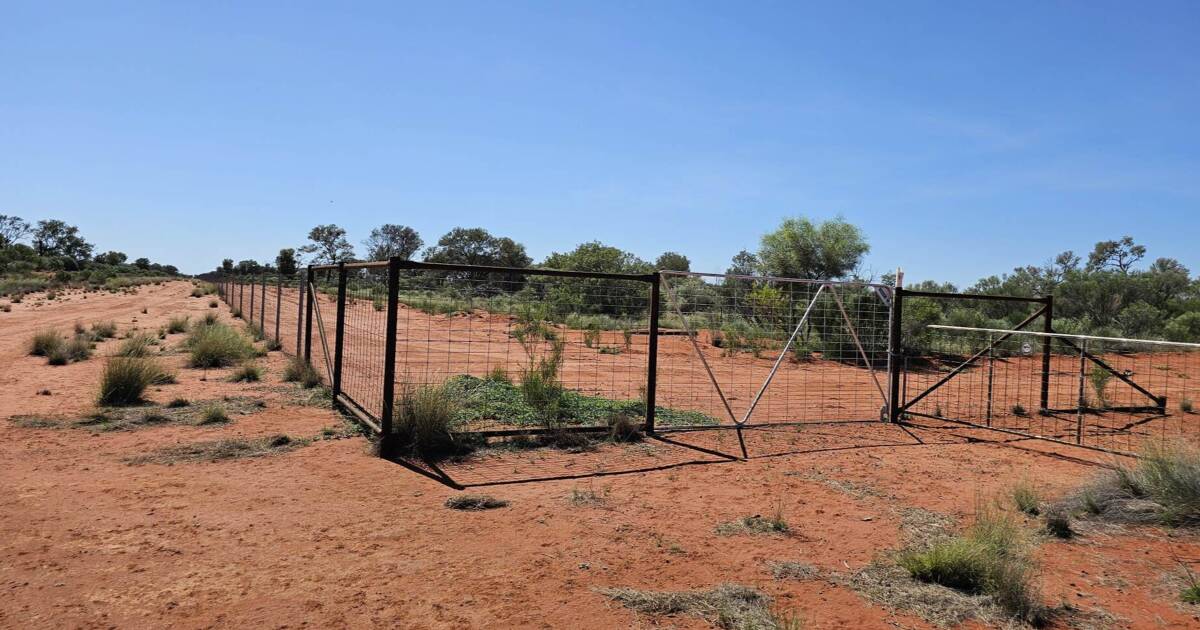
<point>1026,348</point>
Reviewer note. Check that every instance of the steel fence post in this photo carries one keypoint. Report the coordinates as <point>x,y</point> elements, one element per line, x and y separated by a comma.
<point>262,308</point>
<point>1082,394</point>
<point>652,353</point>
<point>250,317</point>
<point>389,356</point>
<point>1047,327</point>
<point>895,352</point>
<point>339,331</point>
<point>278,305</point>
<point>308,315</point>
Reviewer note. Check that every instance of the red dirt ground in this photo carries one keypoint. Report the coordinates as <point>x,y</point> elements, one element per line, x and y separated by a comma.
<point>330,536</point>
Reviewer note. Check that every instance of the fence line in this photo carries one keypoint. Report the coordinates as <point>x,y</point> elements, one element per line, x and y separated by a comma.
<point>526,351</point>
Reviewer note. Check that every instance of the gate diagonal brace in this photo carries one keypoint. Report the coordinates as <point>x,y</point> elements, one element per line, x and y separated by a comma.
<point>1159,402</point>
<point>692,337</point>
<point>965,364</point>
<point>858,344</point>
<point>783,353</point>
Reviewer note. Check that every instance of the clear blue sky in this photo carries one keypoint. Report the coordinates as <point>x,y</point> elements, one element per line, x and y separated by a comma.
<point>964,140</point>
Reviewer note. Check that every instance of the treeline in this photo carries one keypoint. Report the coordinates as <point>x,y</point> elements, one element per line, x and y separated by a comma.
<point>50,253</point>
<point>1112,293</point>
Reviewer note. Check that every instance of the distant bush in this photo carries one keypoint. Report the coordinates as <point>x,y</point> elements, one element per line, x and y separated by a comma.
<point>104,330</point>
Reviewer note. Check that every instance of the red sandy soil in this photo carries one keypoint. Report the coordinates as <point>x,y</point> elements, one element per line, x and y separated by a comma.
<point>330,536</point>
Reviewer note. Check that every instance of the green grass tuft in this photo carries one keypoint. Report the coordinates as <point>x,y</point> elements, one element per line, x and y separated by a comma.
<point>177,325</point>
<point>217,345</point>
<point>136,346</point>
<point>1026,497</point>
<point>45,342</point>
<point>423,422</point>
<point>104,330</point>
<point>125,379</point>
<point>991,558</point>
<point>300,371</point>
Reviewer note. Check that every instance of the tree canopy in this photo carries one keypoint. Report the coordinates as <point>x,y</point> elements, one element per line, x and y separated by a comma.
<point>328,245</point>
<point>800,248</point>
<point>390,240</point>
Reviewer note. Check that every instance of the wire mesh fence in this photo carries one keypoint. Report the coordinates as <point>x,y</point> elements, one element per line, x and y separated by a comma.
<point>758,350</point>
<point>522,350</point>
<point>1105,393</point>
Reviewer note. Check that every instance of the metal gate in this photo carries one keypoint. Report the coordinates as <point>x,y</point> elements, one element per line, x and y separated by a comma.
<point>755,350</point>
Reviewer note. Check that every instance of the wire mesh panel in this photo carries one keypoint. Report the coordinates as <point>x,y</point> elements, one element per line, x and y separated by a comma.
<point>758,350</point>
<point>526,348</point>
<point>1106,393</point>
<point>364,334</point>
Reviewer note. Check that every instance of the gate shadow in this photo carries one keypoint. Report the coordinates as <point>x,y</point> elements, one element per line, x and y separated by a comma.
<point>668,450</point>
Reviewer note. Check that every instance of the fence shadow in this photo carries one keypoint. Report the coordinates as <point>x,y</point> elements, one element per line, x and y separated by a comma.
<point>668,450</point>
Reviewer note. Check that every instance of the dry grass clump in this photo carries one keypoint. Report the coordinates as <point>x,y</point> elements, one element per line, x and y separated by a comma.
<point>247,373</point>
<point>757,524</point>
<point>137,346</point>
<point>125,379</point>
<point>423,421</point>
<point>177,324</point>
<point>1162,486</point>
<point>791,570</point>
<point>991,558</point>
<point>475,502</point>
<point>104,330</point>
<point>300,371</point>
<point>213,414</point>
<point>45,342</point>
<point>217,345</point>
<point>729,606</point>
<point>1026,497</point>
<point>218,450</point>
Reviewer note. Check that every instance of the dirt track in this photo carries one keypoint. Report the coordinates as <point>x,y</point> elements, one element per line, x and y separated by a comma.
<point>330,536</point>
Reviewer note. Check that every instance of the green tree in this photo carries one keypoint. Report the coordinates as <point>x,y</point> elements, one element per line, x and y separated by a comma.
<point>142,263</point>
<point>1185,327</point>
<point>55,238</point>
<point>1119,255</point>
<point>227,265</point>
<point>12,230</point>
<point>801,249</point>
<point>285,262</point>
<point>475,246</point>
<point>111,258</point>
<point>597,295</point>
<point>329,245</point>
<point>672,261</point>
<point>390,240</point>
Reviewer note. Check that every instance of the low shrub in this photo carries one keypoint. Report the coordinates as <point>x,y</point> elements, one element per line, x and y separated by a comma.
<point>1058,524</point>
<point>247,373</point>
<point>991,558</point>
<point>136,346</point>
<point>125,379</point>
<point>217,345</point>
<point>423,421</point>
<point>210,319</point>
<point>79,348</point>
<point>45,342</point>
<point>177,325</point>
<point>58,356</point>
<point>177,403</point>
<point>213,414</point>
<point>104,330</point>
<point>1169,475</point>
<point>1185,405</point>
<point>274,345</point>
<point>213,304</point>
<point>300,371</point>
<point>1026,497</point>
<point>256,331</point>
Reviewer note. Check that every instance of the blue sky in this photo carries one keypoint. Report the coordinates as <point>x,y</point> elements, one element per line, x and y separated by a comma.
<point>964,138</point>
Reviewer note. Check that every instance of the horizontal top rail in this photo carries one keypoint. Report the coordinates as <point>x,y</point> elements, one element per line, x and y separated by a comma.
<point>855,283</point>
<point>526,271</point>
<point>1156,342</point>
<point>975,296</point>
<point>380,264</point>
